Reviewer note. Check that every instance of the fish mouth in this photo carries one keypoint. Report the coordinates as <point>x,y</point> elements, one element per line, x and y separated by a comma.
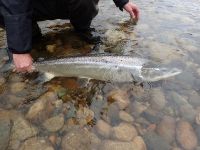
<point>156,74</point>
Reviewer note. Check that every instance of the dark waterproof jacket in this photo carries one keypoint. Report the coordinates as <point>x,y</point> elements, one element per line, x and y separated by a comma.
<point>17,18</point>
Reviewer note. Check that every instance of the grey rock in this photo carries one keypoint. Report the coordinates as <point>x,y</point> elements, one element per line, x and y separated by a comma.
<point>155,142</point>
<point>157,99</point>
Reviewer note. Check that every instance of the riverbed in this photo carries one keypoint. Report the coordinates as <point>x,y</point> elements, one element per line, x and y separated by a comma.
<point>81,114</point>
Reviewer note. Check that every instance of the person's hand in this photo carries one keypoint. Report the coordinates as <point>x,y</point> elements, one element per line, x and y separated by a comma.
<point>23,62</point>
<point>133,10</point>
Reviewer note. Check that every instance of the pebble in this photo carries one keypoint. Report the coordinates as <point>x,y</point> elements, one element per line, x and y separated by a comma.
<point>194,99</point>
<point>155,142</point>
<point>84,115</point>
<point>138,108</point>
<point>117,145</point>
<point>124,132</point>
<point>53,139</point>
<point>51,48</point>
<point>54,124</point>
<point>188,113</point>
<point>36,144</point>
<point>5,128</point>
<point>103,128</point>
<point>124,116</point>
<point>80,139</point>
<point>185,135</point>
<point>17,87</point>
<point>120,97</point>
<point>178,99</point>
<point>151,115</point>
<point>42,108</point>
<point>166,128</point>
<point>139,143</point>
<point>2,81</point>
<point>114,36</point>
<point>157,99</point>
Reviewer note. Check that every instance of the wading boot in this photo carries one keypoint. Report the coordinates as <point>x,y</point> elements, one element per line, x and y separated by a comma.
<point>89,35</point>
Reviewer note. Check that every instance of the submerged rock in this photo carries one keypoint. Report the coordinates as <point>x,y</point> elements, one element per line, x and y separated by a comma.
<point>84,115</point>
<point>157,99</point>
<point>117,145</point>
<point>5,128</point>
<point>80,139</point>
<point>139,143</point>
<point>17,87</point>
<point>42,108</point>
<point>124,132</point>
<point>103,128</point>
<point>125,116</point>
<point>167,128</point>
<point>188,113</point>
<point>120,97</point>
<point>155,142</point>
<point>36,144</point>
<point>186,136</point>
<point>114,36</point>
<point>55,123</point>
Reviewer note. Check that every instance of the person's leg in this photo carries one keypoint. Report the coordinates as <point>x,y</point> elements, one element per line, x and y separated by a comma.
<point>43,10</point>
<point>81,13</point>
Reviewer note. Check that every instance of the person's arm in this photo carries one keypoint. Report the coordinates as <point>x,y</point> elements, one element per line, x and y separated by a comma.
<point>130,7</point>
<point>18,24</point>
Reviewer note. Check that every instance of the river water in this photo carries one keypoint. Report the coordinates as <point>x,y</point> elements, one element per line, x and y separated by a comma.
<point>72,113</point>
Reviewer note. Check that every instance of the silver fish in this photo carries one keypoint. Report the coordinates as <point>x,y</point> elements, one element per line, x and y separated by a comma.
<point>106,68</point>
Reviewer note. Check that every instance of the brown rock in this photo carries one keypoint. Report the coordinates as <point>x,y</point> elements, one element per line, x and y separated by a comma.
<point>120,97</point>
<point>42,108</point>
<point>167,128</point>
<point>17,87</point>
<point>55,123</point>
<point>80,139</point>
<point>36,144</point>
<point>139,143</point>
<point>124,132</point>
<point>186,136</point>
<point>103,128</point>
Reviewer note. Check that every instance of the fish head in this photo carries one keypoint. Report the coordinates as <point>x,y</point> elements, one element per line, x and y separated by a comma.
<point>156,74</point>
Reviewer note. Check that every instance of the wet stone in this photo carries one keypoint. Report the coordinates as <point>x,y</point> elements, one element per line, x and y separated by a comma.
<point>17,87</point>
<point>114,36</point>
<point>157,99</point>
<point>2,81</point>
<point>178,99</point>
<point>124,132</point>
<point>36,144</point>
<point>194,99</point>
<point>139,143</point>
<point>54,124</point>
<point>138,108</point>
<point>120,97</point>
<point>151,115</point>
<point>80,138</point>
<point>42,108</point>
<point>5,127</point>
<point>188,113</point>
<point>84,115</point>
<point>155,142</point>
<point>186,136</point>
<point>103,128</point>
<point>125,116</point>
<point>166,128</point>
<point>117,145</point>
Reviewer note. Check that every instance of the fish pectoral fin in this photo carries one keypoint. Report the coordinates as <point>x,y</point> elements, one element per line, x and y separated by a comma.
<point>48,76</point>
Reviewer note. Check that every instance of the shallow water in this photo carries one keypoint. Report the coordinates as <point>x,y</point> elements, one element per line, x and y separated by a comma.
<point>168,111</point>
